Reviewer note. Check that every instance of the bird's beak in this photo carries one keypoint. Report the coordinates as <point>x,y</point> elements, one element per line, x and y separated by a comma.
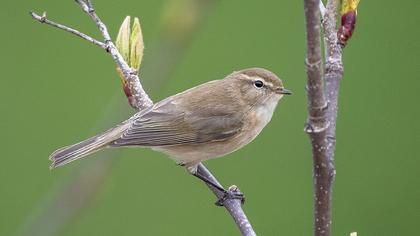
<point>284,91</point>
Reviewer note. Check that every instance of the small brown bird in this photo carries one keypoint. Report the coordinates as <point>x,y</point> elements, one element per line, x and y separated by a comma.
<point>204,122</point>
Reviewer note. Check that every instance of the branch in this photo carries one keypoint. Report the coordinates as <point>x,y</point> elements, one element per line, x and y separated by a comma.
<point>317,104</point>
<point>333,75</point>
<point>332,47</point>
<point>317,123</point>
<point>325,117</point>
<point>233,206</point>
<point>143,101</point>
<point>140,98</point>
<point>43,19</point>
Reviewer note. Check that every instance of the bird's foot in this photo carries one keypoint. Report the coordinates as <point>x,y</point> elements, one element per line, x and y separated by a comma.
<point>232,193</point>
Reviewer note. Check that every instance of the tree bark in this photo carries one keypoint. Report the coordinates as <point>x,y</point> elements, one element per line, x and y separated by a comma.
<point>322,91</point>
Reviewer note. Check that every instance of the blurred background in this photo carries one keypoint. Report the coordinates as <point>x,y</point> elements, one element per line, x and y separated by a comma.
<point>57,89</point>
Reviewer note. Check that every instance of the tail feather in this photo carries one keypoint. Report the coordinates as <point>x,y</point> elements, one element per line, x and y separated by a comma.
<point>73,152</point>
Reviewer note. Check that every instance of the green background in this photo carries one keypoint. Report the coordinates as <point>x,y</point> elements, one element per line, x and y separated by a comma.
<point>57,89</point>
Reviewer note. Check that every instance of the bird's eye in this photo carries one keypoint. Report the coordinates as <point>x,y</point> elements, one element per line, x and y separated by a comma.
<point>258,84</point>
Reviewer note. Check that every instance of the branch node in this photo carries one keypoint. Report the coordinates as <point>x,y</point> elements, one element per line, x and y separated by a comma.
<point>134,72</point>
<point>312,127</point>
<point>108,45</point>
<point>313,65</point>
<point>331,138</point>
<point>43,17</point>
<point>89,6</point>
<point>317,121</point>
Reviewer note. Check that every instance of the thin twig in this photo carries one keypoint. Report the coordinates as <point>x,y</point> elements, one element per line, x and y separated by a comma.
<point>88,9</point>
<point>140,98</point>
<point>232,205</point>
<point>332,48</point>
<point>43,19</point>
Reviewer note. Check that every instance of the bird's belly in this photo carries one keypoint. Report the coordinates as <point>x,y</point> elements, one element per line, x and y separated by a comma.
<point>201,152</point>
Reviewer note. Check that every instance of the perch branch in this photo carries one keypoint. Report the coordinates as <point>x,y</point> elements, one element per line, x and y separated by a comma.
<point>143,101</point>
<point>233,206</point>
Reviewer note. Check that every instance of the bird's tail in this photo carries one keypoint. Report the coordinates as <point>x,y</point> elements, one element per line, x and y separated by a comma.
<point>73,152</point>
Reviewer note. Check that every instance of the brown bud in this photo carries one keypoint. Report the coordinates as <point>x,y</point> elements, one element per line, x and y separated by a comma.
<point>348,24</point>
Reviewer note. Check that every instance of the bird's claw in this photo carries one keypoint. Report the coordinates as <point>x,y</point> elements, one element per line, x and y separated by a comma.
<point>230,194</point>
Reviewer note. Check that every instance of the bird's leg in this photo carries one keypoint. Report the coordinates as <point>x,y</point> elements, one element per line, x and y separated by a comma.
<point>227,194</point>
<point>209,182</point>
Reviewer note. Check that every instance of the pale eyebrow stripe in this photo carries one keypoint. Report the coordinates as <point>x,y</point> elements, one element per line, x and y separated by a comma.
<point>269,84</point>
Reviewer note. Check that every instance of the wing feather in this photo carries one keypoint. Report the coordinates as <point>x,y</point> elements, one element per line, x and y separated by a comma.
<point>179,120</point>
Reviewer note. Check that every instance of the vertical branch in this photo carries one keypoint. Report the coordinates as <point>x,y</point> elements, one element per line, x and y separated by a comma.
<point>333,74</point>
<point>317,104</point>
<point>322,119</point>
<point>317,123</point>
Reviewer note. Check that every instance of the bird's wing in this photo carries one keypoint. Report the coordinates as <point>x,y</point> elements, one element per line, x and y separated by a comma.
<point>182,120</point>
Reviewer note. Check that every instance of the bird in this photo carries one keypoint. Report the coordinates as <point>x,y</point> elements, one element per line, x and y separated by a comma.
<point>204,122</point>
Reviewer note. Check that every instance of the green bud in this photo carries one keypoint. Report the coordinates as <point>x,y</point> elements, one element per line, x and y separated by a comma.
<point>136,45</point>
<point>122,42</point>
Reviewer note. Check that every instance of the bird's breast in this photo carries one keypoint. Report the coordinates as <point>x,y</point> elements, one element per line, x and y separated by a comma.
<point>261,115</point>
